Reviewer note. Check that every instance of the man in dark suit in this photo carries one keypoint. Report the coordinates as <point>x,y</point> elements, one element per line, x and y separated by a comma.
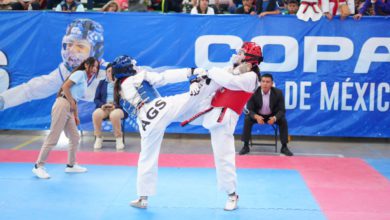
<point>266,106</point>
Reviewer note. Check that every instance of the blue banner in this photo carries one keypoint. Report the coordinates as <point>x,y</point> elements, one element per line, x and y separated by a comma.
<point>334,74</point>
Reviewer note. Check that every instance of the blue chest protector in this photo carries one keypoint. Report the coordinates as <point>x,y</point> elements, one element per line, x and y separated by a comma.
<point>147,93</point>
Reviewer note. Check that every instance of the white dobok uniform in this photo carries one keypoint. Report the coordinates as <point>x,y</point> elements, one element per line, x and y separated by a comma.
<point>155,114</point>
<point>222,127</point>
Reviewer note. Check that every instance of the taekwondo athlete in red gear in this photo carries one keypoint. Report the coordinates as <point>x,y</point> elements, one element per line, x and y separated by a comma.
<point>234,86</point>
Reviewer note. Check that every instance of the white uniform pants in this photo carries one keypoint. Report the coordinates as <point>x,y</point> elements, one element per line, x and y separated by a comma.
<point>179,108</point>
<point>222,143</point>
<point>151,143</point>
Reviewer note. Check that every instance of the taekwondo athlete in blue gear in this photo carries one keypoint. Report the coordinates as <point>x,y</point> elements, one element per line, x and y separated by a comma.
<point>154,114</point>
<point>83,38</point>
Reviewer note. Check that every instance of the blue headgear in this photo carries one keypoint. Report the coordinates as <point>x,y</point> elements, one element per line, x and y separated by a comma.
<point>82,29</point>
<point>124,66</point>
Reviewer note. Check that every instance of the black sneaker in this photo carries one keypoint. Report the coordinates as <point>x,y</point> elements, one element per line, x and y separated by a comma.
<point>244,150</point>
<point>286,151</point>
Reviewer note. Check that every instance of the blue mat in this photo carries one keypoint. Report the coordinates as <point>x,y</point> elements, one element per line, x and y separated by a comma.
<point>381,165</point>
<point>183,193</point>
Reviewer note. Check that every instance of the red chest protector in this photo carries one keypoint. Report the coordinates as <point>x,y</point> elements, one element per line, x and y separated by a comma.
<point>234,100</point>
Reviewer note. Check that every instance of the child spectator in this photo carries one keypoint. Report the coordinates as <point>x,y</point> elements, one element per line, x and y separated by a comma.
<point>246,8</point>
<point>292,8</point>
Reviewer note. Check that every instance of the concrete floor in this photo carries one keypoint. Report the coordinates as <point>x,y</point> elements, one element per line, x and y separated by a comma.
<point>200,144</point>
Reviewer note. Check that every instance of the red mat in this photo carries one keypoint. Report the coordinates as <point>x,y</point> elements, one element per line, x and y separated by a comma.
<point>345,188</point>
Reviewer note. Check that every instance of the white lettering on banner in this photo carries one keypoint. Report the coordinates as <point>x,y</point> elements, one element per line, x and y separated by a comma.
<point>345,96</point>
<point>304,96</point>
<point>345,93</point>
<point>332,100</point>
<point>372,96</point>
<point>291,94</point>
<point>291,97</point>
<point>382,107</point>
<point>203,43</point>
<point>4,77</point>
<point>290,51</point>
<point>360,100</point>
<point>311,55</point>
<point>368,55</point>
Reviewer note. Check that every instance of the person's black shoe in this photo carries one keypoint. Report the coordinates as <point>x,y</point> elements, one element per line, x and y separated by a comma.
<point>244,150</point>
<point>286,151</point>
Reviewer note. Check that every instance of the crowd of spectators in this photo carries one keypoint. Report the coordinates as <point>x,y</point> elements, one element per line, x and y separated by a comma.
<point>261,8</point>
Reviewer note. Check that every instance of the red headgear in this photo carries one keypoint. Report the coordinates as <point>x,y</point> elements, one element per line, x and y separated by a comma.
<point>252,53</point>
